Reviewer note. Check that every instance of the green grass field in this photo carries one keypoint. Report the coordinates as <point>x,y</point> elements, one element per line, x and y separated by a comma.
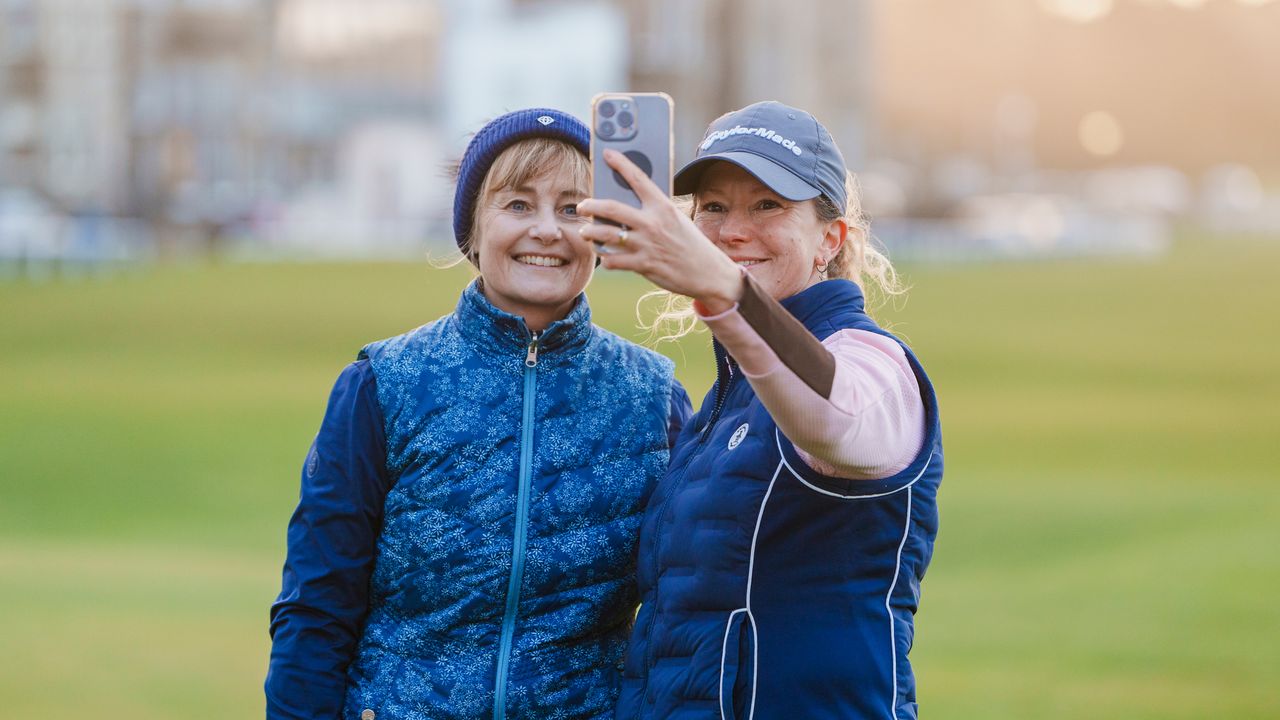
<point>1110,513</point>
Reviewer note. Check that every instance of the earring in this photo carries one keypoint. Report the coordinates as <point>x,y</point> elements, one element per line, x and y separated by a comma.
<point>822,270</point>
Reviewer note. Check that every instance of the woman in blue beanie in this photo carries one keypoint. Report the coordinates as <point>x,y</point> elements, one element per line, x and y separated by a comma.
<point>464,545</point>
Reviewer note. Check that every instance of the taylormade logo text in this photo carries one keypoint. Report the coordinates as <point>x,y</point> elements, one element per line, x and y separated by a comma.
<point>765,133</point>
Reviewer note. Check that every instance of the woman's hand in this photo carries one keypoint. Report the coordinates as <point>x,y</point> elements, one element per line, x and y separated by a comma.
<point>661,243</point>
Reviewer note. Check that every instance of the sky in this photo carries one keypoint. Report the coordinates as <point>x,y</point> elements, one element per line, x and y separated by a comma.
<point>1192,83</point>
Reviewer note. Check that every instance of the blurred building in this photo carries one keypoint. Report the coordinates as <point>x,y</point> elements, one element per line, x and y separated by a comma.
<point>108,103</point>
<point>194,77</point>
<point>713,56</point>
<point>204,117</point>
<point>292,127</point>
<point>356,94</point>
<point>66,108</point>
<point>287,126</point>
<point>501,55</point>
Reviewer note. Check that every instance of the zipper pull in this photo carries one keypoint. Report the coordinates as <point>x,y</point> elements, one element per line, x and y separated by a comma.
<point>531,358</point>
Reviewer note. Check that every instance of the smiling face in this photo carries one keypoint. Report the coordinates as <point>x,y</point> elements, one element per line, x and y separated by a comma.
<point>523,228</point>
<point>781,242</point>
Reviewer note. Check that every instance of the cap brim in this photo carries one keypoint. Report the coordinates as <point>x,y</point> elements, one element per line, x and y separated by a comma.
<point>773,175</point>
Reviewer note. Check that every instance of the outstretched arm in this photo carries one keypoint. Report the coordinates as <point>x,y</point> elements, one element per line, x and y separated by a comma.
<point>850,404</point>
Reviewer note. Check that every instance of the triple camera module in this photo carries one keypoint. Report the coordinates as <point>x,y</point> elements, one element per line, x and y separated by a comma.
<point>615,120</point>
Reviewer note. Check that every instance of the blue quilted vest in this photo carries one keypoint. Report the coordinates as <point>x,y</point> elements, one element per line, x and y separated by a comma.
<point>769,590</point>
<point>503,583</point>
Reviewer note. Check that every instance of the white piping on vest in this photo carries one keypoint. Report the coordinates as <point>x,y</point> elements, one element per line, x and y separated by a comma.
<point>777,436</point>
<point>724,651</point>
<point>893,639</point>
<point>897,565</point>
<point>751,570</point>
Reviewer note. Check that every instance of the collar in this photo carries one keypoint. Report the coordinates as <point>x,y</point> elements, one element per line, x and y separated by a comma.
<point>501,332</point>
<point>805,306</point>
<point>810,306</point>
<point>825,296</point>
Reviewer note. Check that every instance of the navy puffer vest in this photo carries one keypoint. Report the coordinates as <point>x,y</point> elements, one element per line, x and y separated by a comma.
<point>503,579</point>
<point>769,590</point>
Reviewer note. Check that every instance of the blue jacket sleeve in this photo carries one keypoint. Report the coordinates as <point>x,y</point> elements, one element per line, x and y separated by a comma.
<point>317,619</point>
<point>681,411</point>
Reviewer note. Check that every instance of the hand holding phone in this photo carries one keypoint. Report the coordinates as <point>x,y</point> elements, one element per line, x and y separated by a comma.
<point>638,125</point>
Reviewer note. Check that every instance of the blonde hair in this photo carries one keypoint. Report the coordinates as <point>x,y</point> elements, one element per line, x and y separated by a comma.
<point>860,259</point>
<point>515,166</point>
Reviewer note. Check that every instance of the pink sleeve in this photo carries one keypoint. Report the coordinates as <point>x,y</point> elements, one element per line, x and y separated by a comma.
<point>872,426</point>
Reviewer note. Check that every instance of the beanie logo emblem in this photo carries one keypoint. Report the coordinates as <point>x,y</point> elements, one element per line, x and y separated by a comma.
<point>738,436</point>
<point>546,119</point>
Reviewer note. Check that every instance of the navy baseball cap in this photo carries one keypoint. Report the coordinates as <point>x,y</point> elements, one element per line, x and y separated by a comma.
<point>783,147</point>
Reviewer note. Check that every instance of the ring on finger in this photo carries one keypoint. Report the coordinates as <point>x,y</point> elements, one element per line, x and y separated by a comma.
<point>622,237</point>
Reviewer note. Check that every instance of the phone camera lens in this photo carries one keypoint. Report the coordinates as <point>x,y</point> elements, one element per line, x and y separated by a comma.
<point>625,119</point>
<point>607,129</point>
<point>606,109</point>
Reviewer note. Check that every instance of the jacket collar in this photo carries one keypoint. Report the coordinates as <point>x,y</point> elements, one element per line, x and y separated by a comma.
<point>501,332</point>
<point>816,302</point>
<point>810,306</point>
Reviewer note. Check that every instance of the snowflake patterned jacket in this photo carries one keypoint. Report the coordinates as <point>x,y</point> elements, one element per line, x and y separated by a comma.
<point>501,583</point>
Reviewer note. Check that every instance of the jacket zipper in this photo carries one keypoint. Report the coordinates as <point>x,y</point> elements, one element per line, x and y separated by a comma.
<point>522,522</point>
<point>723,367</point>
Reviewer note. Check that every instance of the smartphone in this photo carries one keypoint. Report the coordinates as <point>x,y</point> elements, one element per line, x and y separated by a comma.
<point>637,125</point>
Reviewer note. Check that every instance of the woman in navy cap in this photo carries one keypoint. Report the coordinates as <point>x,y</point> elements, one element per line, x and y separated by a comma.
<point>781,555</point>
<point>464,545</point>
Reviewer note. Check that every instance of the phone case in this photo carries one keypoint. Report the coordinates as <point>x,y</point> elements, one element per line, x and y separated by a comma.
<point>647,141</point>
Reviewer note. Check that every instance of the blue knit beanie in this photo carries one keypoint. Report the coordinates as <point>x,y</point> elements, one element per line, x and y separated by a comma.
<point>498,135</point>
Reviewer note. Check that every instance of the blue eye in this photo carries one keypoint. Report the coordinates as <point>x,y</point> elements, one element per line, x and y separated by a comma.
<point>518,205</point>
<point>571,210</point>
